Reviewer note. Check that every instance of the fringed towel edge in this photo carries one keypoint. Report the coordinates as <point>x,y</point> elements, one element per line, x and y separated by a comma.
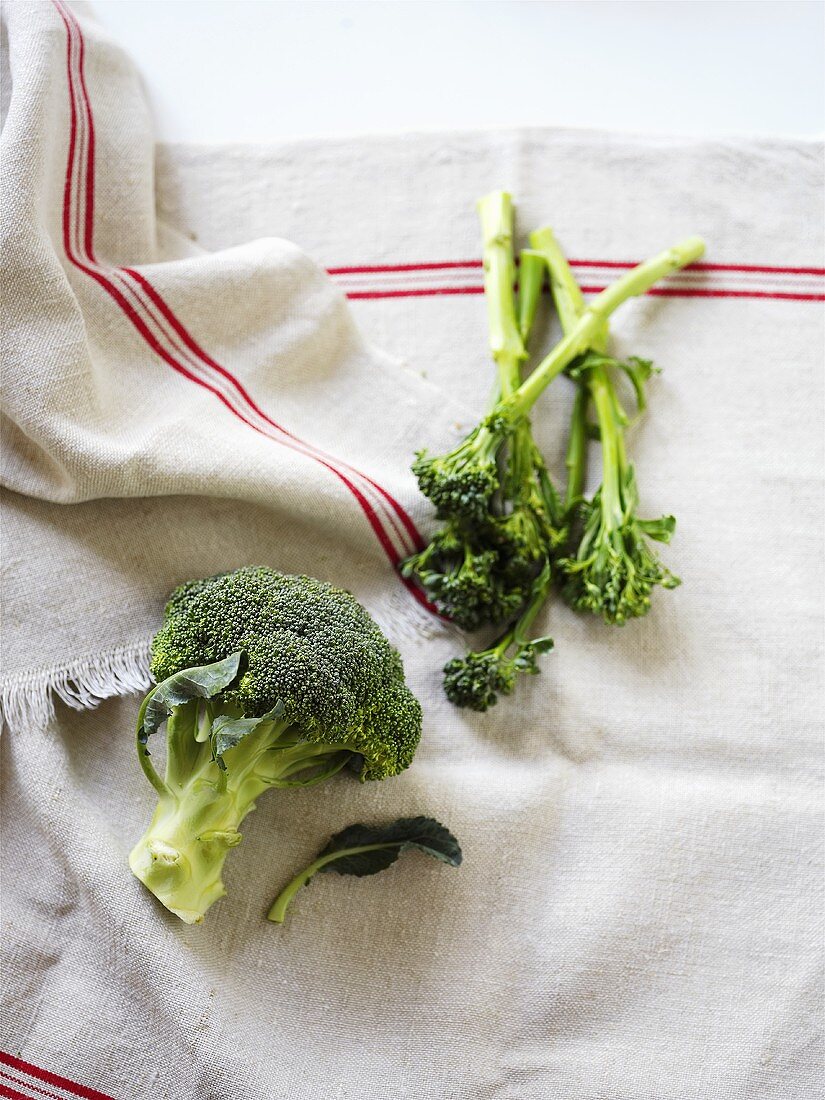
<point>29,699</point>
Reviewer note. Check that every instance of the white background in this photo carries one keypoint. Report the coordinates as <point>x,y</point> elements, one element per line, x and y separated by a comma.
<point>261,70</point>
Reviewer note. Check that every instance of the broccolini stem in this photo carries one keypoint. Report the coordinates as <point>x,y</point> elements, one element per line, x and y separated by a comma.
<point>279,907</point>
<point>530,281</point>
<point>570,305</point>
<point>537,600</point>
<point>517,633</point>
<point>588,328</point>
<point>496,214</point>
<point>611,435</point>
<point>576,459</point>
<point>567,296</point>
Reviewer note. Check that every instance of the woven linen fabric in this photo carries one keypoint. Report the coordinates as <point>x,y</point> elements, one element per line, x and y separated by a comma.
<point>639,912</point>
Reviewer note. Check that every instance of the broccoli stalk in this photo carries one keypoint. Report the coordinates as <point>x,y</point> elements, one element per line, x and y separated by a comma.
<point>477,679</point>
<point>462,483</point>
<point>501,510</point>
<point>589,327</point>
<point>614,569</point>
<point>265,680</point>
<point>202,800</point>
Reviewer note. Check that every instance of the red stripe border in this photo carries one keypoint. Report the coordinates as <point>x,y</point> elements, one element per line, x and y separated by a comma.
<point>447,265</point>
<point>84,1091</point>
<point>655,292</point>
<point>389,515</point>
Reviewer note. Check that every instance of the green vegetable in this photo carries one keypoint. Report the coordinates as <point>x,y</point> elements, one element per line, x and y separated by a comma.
<point>367,849</point>
<point>504,523</point>
<point>502,512</point>
<point>477,679</point>
<point>613,570</point>
<point>265,680</point>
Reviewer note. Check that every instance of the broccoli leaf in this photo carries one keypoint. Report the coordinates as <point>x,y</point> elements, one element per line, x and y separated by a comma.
<point>639,371</point>
<point>201,682</point>
<point>227,732</point>
<point>367,849</point>
<point>424,833</point>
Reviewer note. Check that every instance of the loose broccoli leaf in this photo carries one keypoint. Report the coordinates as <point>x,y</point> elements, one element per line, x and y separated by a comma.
<point>639,371</point>
<point>227,732</point>
<point>660,529</point>
<point>201,682</point>
<point>424,833</point>
<point>367,849</point>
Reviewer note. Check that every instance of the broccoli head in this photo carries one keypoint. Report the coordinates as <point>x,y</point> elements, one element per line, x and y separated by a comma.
<point>463,483</point>
<point>264,680</point>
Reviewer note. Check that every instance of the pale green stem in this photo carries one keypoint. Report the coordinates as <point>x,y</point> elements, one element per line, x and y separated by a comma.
<point>567,296</point>
<point>576,457</point>
<point>279,907</point>
<point>612,446</point>
<point>201,806</point>
<point>636,282</point>
<point>532,268</point>
<point>496,215</point>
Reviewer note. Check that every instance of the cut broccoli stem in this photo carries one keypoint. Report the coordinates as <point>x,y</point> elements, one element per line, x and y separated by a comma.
<point>570,305</point>
<point>201,805</point>
<point>496,215</point>
<point>567,296</point>
<point>532,270</point>
<point>589,326</point>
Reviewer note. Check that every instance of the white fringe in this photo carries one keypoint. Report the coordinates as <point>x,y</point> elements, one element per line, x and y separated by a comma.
<point>29,700</point>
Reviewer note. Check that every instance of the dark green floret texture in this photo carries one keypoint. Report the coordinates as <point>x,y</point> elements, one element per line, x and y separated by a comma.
<point>306,645</point>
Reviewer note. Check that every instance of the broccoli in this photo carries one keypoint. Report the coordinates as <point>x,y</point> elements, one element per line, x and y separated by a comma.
<point>263,680</point>
<point>502,513</point>
<point>614,570</point>
<point>477,679</point>
<point>367,849</point>
<point>468,583</point>
<point>505,524</point>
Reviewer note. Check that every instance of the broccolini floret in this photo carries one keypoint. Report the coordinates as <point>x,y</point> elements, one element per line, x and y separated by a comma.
<point>264,680</point>
<point>613,569</point>
<point>477,679</point>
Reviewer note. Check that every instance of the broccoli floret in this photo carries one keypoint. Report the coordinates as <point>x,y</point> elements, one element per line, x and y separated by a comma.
<point>463,482</point>
<point>265,680</point>
<point>468,584</point>
<point>615,568</point>
<point>477,679</point>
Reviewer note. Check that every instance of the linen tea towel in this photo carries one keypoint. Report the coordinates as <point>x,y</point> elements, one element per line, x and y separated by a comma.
<point>137,365</point>
<point>639,912</point>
